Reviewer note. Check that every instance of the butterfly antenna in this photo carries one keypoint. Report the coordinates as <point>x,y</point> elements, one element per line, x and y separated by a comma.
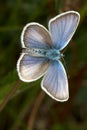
<point>64,62</point>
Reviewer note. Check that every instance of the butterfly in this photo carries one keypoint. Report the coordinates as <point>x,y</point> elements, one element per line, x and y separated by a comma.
<point>41,53</point>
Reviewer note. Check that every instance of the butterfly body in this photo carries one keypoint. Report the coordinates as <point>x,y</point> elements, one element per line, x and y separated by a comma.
<point>41,53</point>
<point>53,54</point>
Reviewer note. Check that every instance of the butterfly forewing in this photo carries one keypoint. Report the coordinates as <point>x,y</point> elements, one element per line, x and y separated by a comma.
<point>62,28</point>
<point>55,82</point>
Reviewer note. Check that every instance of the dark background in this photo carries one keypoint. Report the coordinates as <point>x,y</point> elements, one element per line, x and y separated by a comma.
<point>23,106</point>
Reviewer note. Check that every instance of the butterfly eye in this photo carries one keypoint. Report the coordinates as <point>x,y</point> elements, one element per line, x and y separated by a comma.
<point>39,51</point>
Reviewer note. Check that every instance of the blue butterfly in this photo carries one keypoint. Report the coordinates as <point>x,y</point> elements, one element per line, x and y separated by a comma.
<point>41,54</point>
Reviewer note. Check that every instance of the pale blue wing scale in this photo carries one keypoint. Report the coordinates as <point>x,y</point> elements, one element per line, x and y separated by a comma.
<point>62,28</point>
<point>35,35</point>
<point>55,82</point>
<point>31,68</point>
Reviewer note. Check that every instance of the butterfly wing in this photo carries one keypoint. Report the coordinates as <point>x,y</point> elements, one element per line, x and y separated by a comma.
<point>35,35</point>
<point>55,82</point>
<point>31,68</point>
<point>62,28</point>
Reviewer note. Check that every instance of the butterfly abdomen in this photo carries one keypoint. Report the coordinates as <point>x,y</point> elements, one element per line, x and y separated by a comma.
<point>35,52</point>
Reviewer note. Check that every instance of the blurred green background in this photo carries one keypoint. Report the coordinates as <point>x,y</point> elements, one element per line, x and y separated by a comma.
<point>23,106</point>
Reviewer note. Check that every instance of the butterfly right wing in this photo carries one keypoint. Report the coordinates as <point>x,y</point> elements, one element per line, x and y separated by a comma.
<point>31,68</point>
<point>55,82</point>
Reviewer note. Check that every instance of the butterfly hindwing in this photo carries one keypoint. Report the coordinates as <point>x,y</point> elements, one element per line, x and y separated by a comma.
<point>31,68</point>
<point>35,35</point>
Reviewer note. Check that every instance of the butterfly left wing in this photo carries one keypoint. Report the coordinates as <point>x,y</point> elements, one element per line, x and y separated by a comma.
<point>62,28</point>
<point>31,68</point>
<point>35,35</point>
<point>55,82</point>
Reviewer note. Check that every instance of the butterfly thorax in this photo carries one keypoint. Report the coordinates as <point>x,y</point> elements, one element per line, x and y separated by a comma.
<point>52,54</point>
